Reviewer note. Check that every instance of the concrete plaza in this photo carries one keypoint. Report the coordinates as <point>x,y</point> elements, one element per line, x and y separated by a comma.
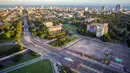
<point>97,50</point>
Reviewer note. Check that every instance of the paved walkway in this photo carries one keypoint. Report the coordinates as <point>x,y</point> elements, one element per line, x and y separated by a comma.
<point>7,43</point>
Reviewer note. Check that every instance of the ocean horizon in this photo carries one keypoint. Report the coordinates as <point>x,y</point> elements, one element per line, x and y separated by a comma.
<point>62,6</point>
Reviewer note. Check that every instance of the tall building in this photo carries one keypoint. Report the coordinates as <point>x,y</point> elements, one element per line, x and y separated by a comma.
<point>68,9</point>
<point>119,7</point>
<point>21,7</point>
<point>104,8</point>
<point>86,9</point>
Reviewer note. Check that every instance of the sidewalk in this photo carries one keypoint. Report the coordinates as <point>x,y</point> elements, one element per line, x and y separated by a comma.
<point>55,68</point>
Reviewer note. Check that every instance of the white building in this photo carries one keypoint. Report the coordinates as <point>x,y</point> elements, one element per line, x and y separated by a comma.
<point>86,9</point>
<point>48,24</point>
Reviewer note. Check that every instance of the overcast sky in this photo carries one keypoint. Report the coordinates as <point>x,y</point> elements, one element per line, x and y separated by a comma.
<point>59,2</point>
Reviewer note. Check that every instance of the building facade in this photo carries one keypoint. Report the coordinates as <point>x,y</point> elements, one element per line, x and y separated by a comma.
<point>119,7</point>
<point>54,29</point>
<point>98,28</point>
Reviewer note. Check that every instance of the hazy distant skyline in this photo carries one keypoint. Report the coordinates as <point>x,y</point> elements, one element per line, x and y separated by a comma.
<point>61,2</point>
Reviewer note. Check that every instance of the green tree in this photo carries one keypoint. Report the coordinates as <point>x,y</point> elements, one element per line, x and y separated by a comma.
<point>42,36</point>
<point>7,35</point>
<point>21,48</point>
<point>18,31</point>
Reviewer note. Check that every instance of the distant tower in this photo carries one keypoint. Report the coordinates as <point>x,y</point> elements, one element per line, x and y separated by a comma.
<point>21,7</point>
<point>42,7</point>
<point>54,7</point>
<point>75,9</point>
<point>16,7</point>
<point>104,8</point>
<point>119,7</point>
<point>86,9</point>
<point>51,7</point>
<point>113,9</point>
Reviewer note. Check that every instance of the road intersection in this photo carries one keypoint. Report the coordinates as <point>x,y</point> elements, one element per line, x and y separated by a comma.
<point>43,49</point>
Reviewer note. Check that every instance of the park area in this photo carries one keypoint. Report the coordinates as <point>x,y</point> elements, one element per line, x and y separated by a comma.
<point>43,66</point>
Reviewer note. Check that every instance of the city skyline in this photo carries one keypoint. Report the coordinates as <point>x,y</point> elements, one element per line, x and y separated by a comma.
<point>63,2</point>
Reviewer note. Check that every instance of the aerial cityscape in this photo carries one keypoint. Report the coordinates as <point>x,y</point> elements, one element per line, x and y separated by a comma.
<point>64,36</point>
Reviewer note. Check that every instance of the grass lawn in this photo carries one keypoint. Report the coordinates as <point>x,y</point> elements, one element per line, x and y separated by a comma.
<point>6,40</point>
<point>24,59</point>
<point>5,47</point>
<point>43,66</point>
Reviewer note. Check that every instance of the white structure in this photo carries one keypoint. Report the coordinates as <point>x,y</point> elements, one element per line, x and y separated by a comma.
<point>86,9</point>
<point>48,24</point>
<point>89,19</point>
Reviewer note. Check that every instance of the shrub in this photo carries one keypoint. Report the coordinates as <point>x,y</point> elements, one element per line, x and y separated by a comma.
<point>17,58</point>
<point>60,34</point>
<point>105,38</point>
<point>128,43</point>
<point>1,66</point>
<point>106,61</point>
<point>34,53</point>
<point>51,37</point>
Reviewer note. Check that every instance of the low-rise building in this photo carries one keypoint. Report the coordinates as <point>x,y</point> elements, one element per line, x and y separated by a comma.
<point>54,29</point>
